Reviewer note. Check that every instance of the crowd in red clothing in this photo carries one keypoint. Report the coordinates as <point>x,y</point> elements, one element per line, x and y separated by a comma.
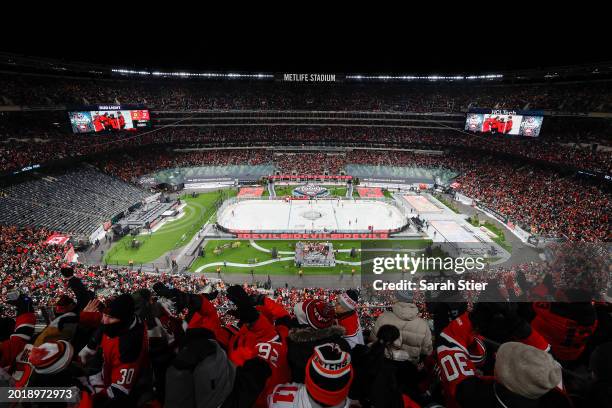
<point>22,146</point>
<point>108,122</point>
<point>29,265</point>
<point>541,201</point>
<point>125,338</point>
<point>310,163</point>
<point>156,334</point>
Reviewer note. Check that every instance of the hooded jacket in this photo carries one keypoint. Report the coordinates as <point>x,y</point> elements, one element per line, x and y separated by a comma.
<point>201,375</point>
<point>414,331</point>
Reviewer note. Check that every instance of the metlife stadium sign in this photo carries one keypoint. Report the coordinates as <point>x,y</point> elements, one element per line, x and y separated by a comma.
<point>308,77</point>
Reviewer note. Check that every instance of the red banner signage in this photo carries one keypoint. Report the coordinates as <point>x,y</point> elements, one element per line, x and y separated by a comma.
<point>57,239</point>
<point>374,235</point>
<point>309,177</point>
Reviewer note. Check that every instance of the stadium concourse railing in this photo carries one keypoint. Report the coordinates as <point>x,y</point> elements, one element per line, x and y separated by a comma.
<point>397,119</point>
<point>388,201</point>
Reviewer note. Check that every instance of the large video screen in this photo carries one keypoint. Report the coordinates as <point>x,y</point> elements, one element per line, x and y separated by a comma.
<point>522,123</point>
<point>108,118</point>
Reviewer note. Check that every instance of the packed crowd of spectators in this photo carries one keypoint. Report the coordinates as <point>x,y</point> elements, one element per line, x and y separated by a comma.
<point>541,201</point>
<point>225,95</point>
<point>130,339</point>
<point>21,147</point>
<point>310,163</point>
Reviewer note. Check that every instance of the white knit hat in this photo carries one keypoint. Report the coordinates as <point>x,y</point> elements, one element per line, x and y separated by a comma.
<point>526,370</point>
<point>348,299</point>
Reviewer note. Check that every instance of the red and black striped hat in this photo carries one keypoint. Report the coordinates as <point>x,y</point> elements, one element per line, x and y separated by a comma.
<point>329,374</point>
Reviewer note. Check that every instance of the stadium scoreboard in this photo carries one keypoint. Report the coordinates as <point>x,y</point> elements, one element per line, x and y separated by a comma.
<point>521,123</point>
<point>108,118</point>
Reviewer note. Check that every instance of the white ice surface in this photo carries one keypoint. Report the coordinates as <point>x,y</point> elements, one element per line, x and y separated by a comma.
<point>292,216</point>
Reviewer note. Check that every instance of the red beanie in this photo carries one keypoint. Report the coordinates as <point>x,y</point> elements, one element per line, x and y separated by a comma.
<point>317,313</point>
<point>64,304</point>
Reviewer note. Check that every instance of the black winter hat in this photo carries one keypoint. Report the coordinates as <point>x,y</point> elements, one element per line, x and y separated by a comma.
<point>7,325</point>
<point>121,307</point>
<point>499,321</point>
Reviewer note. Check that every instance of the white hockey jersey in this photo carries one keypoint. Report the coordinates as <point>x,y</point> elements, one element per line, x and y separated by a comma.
<point>293,395</point>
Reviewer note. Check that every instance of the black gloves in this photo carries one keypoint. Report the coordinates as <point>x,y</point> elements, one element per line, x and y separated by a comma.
<point>246,311</point>
<point>162,290</point>
<point>238,296</point>
<point>67,272</point>
<point>23,304</point>
<point>180,299</point>
<point>212,295</point>
<point>499,322</point>
<point>258,299</point>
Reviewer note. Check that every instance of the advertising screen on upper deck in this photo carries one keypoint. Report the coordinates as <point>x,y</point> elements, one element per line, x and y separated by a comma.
<point>521,123</point>
<point>108,118</point>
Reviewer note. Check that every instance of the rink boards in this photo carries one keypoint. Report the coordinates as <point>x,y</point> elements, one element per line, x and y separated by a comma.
<point>310,215</point>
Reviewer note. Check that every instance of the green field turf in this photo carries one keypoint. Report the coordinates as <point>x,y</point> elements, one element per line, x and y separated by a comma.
<point>501,237</point>
<point>447,203</point>
<point>337,191</point>
<point>172,235</point>
<point>246,254</point>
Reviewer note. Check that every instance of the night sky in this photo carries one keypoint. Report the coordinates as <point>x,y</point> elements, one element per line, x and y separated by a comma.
<point>416,50</point>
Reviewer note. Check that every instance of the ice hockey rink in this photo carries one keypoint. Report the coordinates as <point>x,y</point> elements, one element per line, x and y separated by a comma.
<point>445,226</point>
<point>453,232</point>
<point>310,215</point>
<point>422,204</point>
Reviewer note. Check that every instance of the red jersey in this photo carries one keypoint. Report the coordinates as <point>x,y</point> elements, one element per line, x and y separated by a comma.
<point>461,350</point>
<point>567,337</point>
<point>486,125</point>
<point>114,123</point>
<point>494,125</point>
<point>97,123</point>
<point>266,341</point>
<point>508,127</point>
<point>353,333</point>
<point>124,358</point>
<point>22,335</point>
<point>23,369</point>
<point>105,120</point>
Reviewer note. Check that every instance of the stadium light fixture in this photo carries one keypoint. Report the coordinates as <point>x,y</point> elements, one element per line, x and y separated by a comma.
<point>423,77</point>
<point>183,74</point>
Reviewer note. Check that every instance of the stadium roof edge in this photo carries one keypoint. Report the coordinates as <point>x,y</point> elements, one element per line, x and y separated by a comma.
<point>61,67</point>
